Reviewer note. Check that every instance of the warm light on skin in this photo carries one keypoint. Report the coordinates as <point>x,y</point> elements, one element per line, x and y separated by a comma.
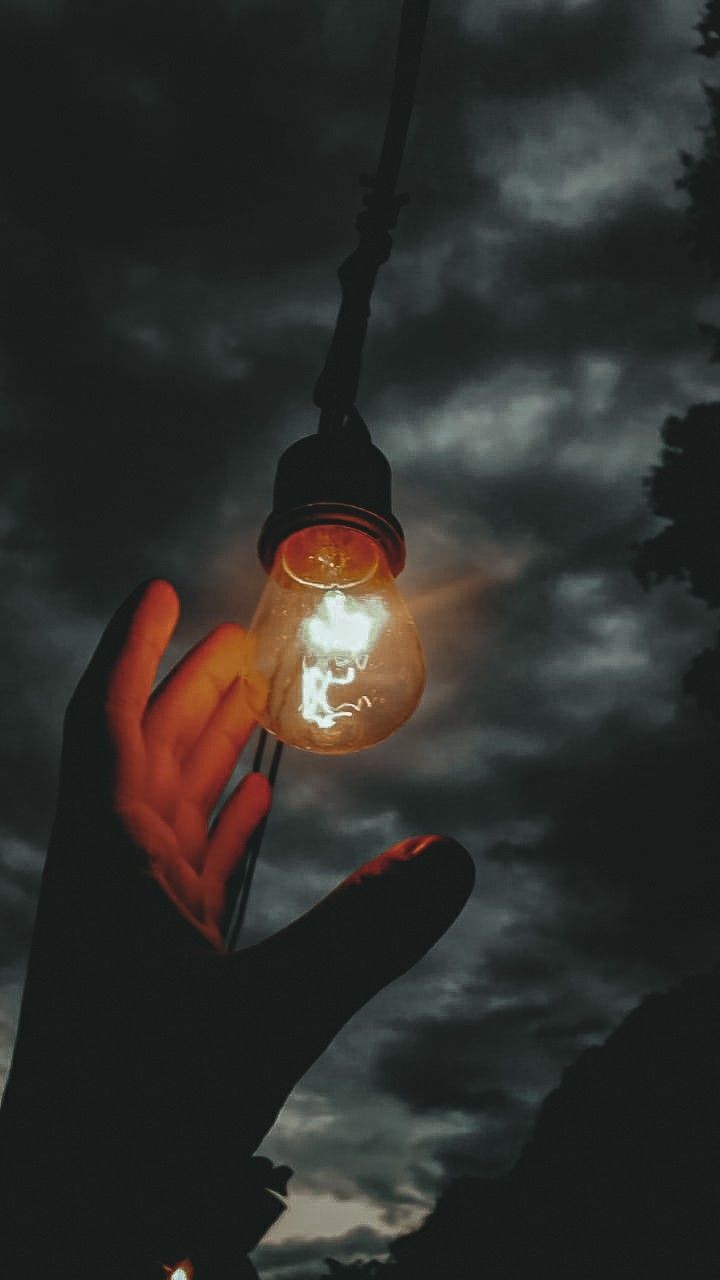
<point>334,663</point>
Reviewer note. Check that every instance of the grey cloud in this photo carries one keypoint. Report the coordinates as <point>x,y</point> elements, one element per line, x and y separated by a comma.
<point>303,1258</point>
<point>182,189</point>
<point>552,48</point>
<point>20,869</point>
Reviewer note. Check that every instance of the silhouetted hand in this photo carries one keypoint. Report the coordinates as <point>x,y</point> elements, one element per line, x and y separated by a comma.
<point>150,1063</point>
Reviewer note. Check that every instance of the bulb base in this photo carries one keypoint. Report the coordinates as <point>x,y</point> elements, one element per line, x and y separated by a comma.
<point>338,477</point>
<point>385,529</point>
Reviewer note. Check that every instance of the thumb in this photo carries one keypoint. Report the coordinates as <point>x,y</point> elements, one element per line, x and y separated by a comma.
<point>375,926</point>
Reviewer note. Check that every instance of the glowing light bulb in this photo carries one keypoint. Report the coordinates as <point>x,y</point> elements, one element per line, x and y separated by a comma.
<point>182,1271</point>
<point>334,661</point>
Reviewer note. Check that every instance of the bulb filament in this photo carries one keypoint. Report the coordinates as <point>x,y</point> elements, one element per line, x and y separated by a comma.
<point>339,635</point>
<point>317,678</point>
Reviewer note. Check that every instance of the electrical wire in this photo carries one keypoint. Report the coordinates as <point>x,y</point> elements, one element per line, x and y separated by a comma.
<point>252,852</point>
<point>413,22</point>
<point>336,388</point>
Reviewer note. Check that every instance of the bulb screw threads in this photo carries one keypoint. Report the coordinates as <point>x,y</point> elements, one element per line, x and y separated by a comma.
<point>338,477</point>
<point>385,529</point>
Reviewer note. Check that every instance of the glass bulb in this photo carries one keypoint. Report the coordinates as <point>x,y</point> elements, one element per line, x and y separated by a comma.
<point>334,662</point>
<point>183,1271</point>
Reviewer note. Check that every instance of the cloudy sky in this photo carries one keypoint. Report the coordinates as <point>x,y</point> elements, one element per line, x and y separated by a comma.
<point>179,185</point>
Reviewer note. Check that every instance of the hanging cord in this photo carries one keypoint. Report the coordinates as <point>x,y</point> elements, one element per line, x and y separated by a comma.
<point>336,388</point>
<point>252,852</point>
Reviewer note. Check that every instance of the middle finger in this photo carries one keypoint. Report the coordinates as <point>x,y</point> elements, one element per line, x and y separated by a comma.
<point>183,704</point>
<point>211,761</point>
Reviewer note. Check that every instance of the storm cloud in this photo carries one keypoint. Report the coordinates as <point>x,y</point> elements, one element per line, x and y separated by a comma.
<point>180,183</point>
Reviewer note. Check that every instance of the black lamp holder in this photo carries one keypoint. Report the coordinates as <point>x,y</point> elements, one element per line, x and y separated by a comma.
<point>338,476</point>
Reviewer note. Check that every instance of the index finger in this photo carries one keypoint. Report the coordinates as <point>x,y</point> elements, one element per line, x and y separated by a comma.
<point>122,670</point>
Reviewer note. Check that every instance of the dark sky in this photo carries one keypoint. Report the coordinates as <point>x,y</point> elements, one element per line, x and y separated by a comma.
<point>178,187</point>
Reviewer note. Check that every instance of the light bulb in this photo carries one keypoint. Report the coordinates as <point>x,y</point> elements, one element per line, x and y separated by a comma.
<point>182,1271</point>
<point>334,662</point>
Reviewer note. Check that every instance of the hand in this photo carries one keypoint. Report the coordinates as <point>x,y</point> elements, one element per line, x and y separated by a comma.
<point>150,1063</point>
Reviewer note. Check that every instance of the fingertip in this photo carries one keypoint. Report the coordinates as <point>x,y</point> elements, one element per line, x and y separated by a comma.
<point>163,586</point>
<point>152,608</point>
<point>456,863</point>
<point>440,849</point>
<point>454,856</point>
<point>228,634</point>
<point>148,613</point>
<point>159,597</point>
<point>437,871</point>
<point>260,792</point>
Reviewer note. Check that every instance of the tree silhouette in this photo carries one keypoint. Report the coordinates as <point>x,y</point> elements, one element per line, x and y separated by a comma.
<point>685,488</point>
<point>619,1180</point>
<point>620,1176</point>
<point>701,178</point>
<point>709,28</point>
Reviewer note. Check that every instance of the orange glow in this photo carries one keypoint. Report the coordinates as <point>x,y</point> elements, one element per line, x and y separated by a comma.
<point>181,1271</point>
<point>333,660</point>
